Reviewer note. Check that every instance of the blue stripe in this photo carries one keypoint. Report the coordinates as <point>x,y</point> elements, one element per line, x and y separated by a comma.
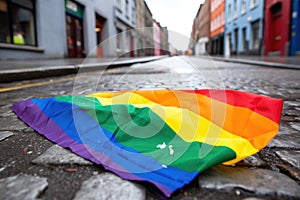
<point>82,128</point>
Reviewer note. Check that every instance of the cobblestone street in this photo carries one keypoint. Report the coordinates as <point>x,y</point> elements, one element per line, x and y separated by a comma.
<point>32,167</point>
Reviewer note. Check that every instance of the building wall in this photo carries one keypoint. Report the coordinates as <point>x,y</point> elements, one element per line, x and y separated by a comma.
<point>217,26</point>
<point>149,41</point>
<point>156,38</point>
<point>204,29</point>
<point>164,38</point>
<point>204,15</point>
<point>217,17</point>
<point>244,19</point>
<point>277,44</point>
<point>51,30</point>
<point>140,27</point>
<point>125,21</point>
<point>104,9</point>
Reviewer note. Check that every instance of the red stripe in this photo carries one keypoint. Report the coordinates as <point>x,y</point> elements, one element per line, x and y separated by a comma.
<point>266,106</point>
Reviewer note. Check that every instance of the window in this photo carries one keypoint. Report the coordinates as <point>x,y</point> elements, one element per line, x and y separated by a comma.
<point>243,7</point>
<point>235,9</point>
<point>118,4</point>
<point>17,24</point>
<point>127,8</point>
<point>119,35</point>
<point>253,3</point>
<point>133,15</point>
<point>229,13</point>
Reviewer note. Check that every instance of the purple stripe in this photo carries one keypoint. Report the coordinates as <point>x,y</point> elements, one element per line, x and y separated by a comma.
<point>31,114</point>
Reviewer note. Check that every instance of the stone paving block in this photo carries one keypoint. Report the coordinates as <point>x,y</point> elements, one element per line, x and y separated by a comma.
<point>109,186</point>
<point>12,124</point>
<point>5,134</point>
<point>296,125</point>
<point>258,181</point>
<point>290,156</point>
<point>285,141</point>
<point>57,155</point>
<point>25,187</point>
<point>252,161</point>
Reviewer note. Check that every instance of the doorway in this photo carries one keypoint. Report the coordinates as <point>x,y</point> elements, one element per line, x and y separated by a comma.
<point>276,27</point>
<point>100,21</point>
<point>74,29</point>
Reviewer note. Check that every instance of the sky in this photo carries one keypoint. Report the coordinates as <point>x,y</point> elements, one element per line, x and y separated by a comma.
<point>178,16</point>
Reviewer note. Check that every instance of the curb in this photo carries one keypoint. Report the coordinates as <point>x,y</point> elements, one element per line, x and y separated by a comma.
<point>256,62</point>
<point>50,71</point>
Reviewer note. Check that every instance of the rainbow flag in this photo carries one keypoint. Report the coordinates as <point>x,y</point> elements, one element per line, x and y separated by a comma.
<point>165,137</point>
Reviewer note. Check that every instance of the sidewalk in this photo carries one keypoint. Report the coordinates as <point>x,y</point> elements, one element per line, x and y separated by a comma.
<point>16,70</point>
<point>280,62</point>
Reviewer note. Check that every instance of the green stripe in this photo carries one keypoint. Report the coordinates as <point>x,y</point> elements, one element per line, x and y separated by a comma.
<point>134,127</point>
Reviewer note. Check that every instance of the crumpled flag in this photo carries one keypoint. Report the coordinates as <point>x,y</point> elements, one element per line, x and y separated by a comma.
<point>165,137</point>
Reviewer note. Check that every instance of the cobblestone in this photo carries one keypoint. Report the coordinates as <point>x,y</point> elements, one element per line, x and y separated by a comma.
<point>252,161</point>
<point>5,134</point>
<point>291,157</point>
<point>109,186</point>
<point>57,155</point>
<point>22,186</point>
<point>258,181</point>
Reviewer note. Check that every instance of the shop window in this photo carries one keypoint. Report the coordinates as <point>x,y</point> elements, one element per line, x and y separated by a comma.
<point>17,24</point>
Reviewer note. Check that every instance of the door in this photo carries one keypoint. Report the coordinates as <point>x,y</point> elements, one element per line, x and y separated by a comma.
<point>276,27</point>
<point>74,37</point>
<point>131,46</point>
<point>99,34</point>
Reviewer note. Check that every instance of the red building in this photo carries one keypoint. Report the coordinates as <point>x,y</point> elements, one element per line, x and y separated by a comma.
<point>277,27</point>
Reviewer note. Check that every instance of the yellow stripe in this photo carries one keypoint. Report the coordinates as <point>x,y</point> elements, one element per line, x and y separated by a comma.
<point>188,125</point>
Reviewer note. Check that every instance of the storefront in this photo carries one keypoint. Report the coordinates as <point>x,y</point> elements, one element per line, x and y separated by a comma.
<point>74,29</point>
<point>17,22</point>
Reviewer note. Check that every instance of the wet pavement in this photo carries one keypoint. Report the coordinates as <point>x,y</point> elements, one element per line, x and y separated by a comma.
<point>33,167</point>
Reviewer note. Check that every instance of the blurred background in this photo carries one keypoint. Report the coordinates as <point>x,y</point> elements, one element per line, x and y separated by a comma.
<point>135,28</point>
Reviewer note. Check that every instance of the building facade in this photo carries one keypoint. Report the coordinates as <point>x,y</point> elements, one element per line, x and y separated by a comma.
<point>149,40</point>
<point>140,27</point>
<point>244,27</point>
<point>217,26</point>
<point>295,29</point>
<point>55,29</point>
<point>277,27</point>
<point>203,46</point>
<point>125,22</point>
<point>164,41</point>
<point>156,37</point>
